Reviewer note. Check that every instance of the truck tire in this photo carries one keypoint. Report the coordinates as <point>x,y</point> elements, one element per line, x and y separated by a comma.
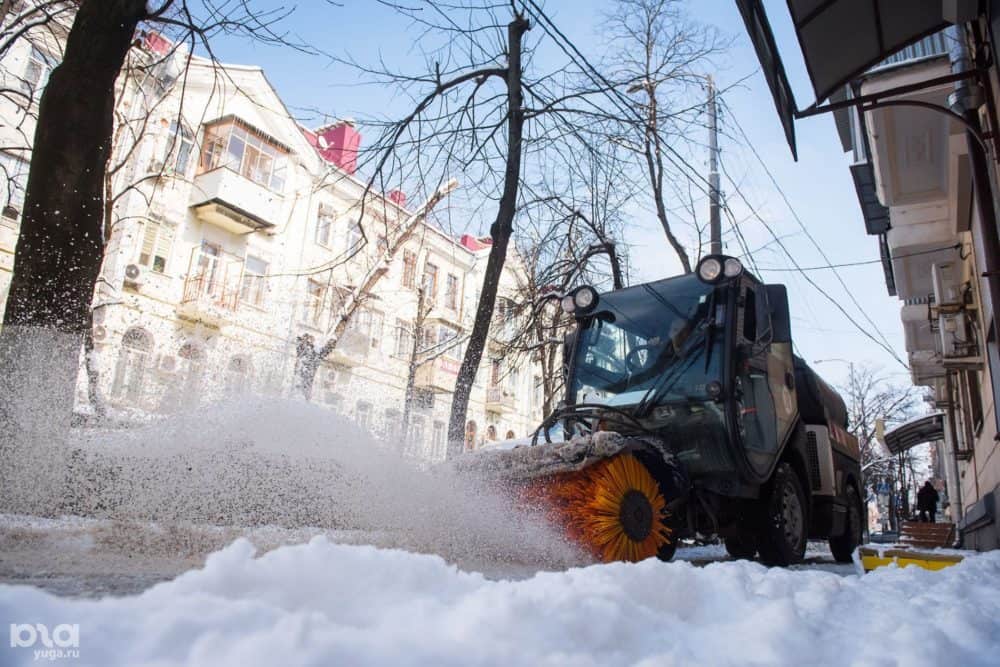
<point>843,546</point>
<point>666,552</point>
<point>742,547</point>
<point>784,534</point>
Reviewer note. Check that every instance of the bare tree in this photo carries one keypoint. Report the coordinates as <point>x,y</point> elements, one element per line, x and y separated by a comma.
<point>308,356</point>
<point>657,52</point>
<point>872,397</point>
<point>481,110</point>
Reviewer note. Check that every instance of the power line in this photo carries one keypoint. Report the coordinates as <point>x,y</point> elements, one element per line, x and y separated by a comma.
<point>867,262</point>
<point>801,224</point>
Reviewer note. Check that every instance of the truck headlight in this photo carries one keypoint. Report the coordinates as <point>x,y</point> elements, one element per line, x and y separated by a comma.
<point>715,268</point>
<point>710,269</point>
<point>580,301</point>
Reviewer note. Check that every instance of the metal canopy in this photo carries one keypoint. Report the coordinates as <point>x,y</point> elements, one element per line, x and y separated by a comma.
<point>840,39</point>
<point>915,432</point>
<point>770,61</point>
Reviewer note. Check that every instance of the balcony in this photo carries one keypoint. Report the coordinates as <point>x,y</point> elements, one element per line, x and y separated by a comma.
<point>499,400</point>
<point>224,198</point>
<point>352,348</point>
<point>211,288</point>
<point>439,374</point>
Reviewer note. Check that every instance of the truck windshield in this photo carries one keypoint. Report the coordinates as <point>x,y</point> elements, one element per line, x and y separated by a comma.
<point>639,335</point>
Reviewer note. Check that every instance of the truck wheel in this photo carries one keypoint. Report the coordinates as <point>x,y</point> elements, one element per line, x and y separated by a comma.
<point>843,546</point>
<point>742,547</point>
<point>784,534</point>
<point>667,550</point>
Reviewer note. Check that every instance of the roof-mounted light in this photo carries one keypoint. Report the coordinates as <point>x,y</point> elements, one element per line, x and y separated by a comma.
<point>715,268</point>
<point>580,301</point>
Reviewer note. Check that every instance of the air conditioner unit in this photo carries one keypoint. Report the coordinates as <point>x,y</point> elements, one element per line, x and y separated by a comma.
<point>168,363</point>
<point>134,275</point>
<point>947,288</point>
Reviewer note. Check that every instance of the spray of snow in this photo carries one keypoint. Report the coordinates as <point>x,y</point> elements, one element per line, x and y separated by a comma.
<point>264,461</point>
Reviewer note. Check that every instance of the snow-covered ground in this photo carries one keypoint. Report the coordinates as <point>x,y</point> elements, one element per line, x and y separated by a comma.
<point>323,603</point>
<point>407,566</point>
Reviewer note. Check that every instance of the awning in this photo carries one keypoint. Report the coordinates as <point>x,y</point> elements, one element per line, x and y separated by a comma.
<point>839,39</point>
<point>770,61</point>
<point>915,432</point>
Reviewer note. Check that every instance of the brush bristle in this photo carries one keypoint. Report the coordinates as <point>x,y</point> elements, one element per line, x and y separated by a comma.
<point>588,503</point>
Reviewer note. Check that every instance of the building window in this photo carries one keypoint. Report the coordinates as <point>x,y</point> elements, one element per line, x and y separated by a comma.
<point>13,181</point>
<point>312,308</point>
<point>355,236</point>
<point>36,71</point>
<point>495,372</point>
<point>192,369</point>
<point>440,440</point>
<point>180,145</point>
<point>409,269</point>
<point>451,292</point>
<point>237,378</point>
<point>133,361</point>
<point>157,238</point>
<point>447,340</point>
<point>471,433</point>
<point>252,154</point>
<point>324,225</point>
<point>404,340</point>
<point>363,414</point>
<point>254,281</point>
<point>975,400</point>
<point>417,434</point>
<point>392,426</point>
<point>375,333</point>
<point>430,281</point>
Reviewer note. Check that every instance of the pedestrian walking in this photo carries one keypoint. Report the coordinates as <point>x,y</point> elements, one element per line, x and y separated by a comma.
<point>927,500</point>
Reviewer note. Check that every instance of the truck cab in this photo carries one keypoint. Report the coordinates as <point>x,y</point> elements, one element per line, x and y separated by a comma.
<point>755,444</point>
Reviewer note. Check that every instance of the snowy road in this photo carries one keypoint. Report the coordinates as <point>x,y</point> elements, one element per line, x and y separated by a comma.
<point>329,599</point>
<point>90,558</point>
<point>321,603</point>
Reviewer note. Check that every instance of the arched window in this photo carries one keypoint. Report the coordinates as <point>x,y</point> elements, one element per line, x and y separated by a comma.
<point>237,378</point>
<point>192,367</point>
<point>133,362</point>
<point>470,435</point>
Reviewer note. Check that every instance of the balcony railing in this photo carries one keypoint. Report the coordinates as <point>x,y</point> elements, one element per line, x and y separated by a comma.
<point>212,286</point>
<point>499,399</point>
<point>440,374</point>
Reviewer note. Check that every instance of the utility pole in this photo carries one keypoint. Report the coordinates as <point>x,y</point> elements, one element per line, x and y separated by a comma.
<point>714,221</point>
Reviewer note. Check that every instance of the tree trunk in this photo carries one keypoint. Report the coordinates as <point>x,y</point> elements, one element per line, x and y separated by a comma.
<point>60,247</point>
<point>411,372</point>
<point>500,232</point>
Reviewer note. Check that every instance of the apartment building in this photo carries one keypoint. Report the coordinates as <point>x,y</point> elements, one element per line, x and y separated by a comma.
<point>237,232</point>
<point>912,89</point>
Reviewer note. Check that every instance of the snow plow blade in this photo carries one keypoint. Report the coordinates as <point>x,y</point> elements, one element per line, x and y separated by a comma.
<point>598,489</point>
<point>874,557</point>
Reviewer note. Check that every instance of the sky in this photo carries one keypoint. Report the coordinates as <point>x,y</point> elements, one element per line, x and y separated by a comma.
<point>818,187</point>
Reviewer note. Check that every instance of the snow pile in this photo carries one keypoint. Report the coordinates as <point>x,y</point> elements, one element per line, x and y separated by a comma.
<point>322,603</point>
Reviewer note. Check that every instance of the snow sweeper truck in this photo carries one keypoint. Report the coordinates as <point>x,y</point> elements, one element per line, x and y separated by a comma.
<point>687,414</point>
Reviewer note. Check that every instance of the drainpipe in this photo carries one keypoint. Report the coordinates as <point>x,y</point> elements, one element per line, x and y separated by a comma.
<point>951,439</point>
<point>967,98</point>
